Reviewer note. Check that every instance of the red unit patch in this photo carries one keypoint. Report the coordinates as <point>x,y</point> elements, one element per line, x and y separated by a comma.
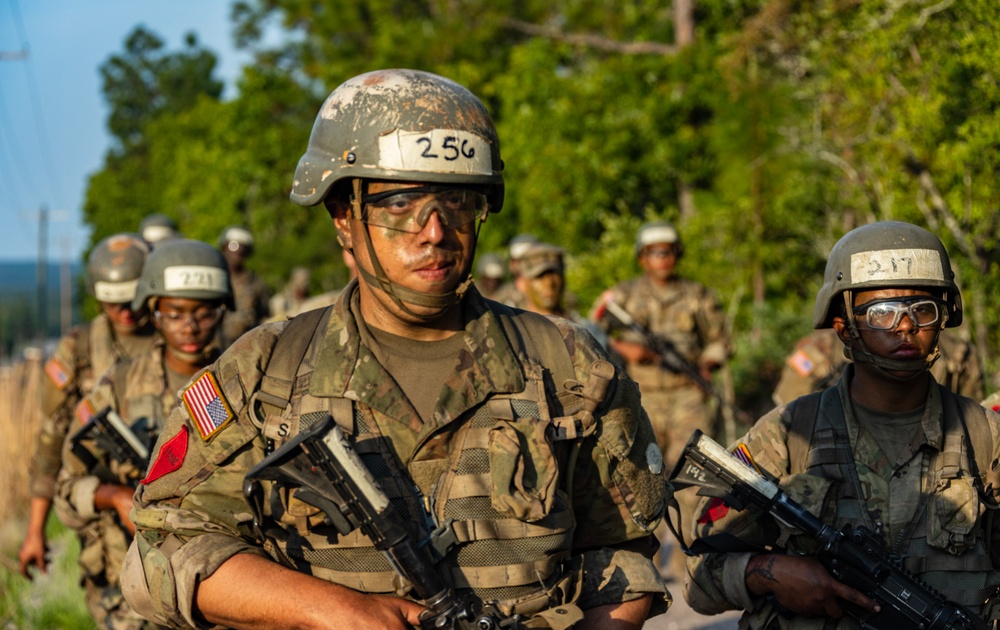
<point>170,458</point>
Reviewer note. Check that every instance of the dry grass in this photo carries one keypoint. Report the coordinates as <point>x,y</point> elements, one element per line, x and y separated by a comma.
<point>20,418</point>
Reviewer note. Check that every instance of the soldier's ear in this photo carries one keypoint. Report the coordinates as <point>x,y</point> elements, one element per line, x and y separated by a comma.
<point>841,328</point>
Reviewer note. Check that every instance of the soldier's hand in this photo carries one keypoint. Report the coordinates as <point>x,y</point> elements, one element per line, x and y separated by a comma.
<point>634,352</point>
<point>32,553</point>
<point>802,585</point>
<point>118,498</point>
<point>384,611</point>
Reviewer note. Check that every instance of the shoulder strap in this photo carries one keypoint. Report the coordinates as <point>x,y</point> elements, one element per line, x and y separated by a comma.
<point>276,387</point>
<point>979,439</point>
<point>537,338</point>
<point>804,411</point>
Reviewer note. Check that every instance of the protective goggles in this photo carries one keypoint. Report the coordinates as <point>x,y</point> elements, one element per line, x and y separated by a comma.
<point>408,209</point>
<point>886,314</point>
<point>201,319</point>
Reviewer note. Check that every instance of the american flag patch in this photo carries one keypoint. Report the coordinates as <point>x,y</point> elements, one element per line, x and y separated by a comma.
<point>84,411</point>
<point>742,453</point>
<point>801,363</point>
<point>57,372</point>
<point>207,406</point>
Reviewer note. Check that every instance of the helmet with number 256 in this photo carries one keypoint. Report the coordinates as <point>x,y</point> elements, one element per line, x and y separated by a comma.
<point>401,125</point>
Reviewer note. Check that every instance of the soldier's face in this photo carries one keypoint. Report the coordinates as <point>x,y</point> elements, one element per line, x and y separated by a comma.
<point>905,342</point>
<point>123,319</point>
<point>188,325</point>
<point>658,261</point>
<point>433,260</point>
<point>545,291</point>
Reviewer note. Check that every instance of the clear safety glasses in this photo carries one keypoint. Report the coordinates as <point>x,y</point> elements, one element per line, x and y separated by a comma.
<point>200,319</point>
<point>886,314</point>
<point>408,209</point>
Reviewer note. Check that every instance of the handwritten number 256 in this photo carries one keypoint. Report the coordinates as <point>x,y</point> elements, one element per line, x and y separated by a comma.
<point>451,150</point>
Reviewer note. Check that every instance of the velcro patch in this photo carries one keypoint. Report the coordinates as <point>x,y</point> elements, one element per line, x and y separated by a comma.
<point>84,411</point>
<point>801,363</point>
<point>742,453</point>
<point>207,406</point>
<point>58,372</point>
<point>716,510</point>
<point>170,458</point>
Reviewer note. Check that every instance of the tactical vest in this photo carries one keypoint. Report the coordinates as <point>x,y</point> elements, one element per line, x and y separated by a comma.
<point>945,544</point>
<point>502,520</point>
<point>142,394</point>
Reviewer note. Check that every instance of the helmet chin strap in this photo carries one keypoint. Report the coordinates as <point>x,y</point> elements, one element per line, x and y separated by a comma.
<point>206,356</point>
<point>882,364</point>
<point>401,295</point>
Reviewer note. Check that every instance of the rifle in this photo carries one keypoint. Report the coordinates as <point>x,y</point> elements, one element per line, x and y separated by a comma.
<point>854,555</point>
<point>116,439</point>
<point>673,360</point>
<point>330,475</point>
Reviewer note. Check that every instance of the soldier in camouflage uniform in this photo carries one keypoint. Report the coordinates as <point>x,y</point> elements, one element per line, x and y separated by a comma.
<point>819,359</point>
<point>688,315</point>
<point>158,227</point>
<point>185,284</point>
<point>82,355</point>
<point>887,448</point>
<point>508,293</point>
<point>250,294</point>
<point>508,433</point>
<point>490,274</point>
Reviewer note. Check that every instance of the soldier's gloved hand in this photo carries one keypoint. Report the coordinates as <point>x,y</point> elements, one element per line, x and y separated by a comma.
<point>802,585</point>
<point>32,553</point>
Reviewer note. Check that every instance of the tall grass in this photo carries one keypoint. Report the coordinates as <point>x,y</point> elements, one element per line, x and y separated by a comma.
<point>53,600</point>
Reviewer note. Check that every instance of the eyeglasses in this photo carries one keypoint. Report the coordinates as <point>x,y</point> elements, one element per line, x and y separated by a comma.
<point>664,252</point>
<point>886,314</point>
<point>408,209</point>
<point>200,319</point>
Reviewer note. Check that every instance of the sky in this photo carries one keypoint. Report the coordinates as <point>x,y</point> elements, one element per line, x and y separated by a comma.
<point>53,131</point>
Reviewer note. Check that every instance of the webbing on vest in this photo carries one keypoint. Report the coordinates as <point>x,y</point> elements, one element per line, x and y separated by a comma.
<point>536,337</point>
<point>279,377</point>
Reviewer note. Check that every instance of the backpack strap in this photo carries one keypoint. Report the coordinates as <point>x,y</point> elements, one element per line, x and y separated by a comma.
<point>536,338</point>
<point>804,411</point>
<point>978,437</point>
<point>279,377</point>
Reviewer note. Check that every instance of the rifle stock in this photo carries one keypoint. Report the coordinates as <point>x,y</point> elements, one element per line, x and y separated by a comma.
<point>330,475</point>
<point>855,556</point>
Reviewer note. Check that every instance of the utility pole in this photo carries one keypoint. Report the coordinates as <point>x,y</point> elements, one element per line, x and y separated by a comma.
<point>42,279</point>
<point>65,288</point>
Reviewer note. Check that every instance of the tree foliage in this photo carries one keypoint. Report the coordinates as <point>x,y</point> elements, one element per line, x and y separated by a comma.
<point>783,125</point>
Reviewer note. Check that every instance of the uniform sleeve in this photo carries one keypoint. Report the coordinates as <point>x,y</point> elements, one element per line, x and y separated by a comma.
<point>190,514</point>
<point>77,483</point>
<point>619,488</point>
<point>59,396</point>
<point>716,581</point>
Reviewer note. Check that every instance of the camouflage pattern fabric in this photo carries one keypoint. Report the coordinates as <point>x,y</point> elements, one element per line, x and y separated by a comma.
<point>193,519</point>
<point>689,316</point>
<point>81,356</point>
<point>819,359</point>
<point>252,298</point>
<point>137,390</point>
<point>939,535</point>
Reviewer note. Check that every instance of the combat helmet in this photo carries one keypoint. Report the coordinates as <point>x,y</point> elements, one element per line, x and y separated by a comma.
<point>883,255</point>
<point>237,234</point>
<point>656,232</point>
<point>157,227</point>
<point>401,125</point>
<point>184,268</point>
<point>114,267</point>
<point>490,265</point>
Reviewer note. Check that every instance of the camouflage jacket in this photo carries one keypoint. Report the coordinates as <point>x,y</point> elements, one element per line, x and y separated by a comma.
<point>819,359</point>
<point>136,389</point>
<point>941,535</point>
<point>251,298</point>
<point>685,313</point>
<point>81,356</point>
<point>513,471</point>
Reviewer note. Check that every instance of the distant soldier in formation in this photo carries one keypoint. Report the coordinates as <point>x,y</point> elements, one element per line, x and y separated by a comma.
<point>490,274</point>
<point>508,293</point>
<point>689,316</point>
<point>819,360</point>
<point>290,299</point>
<point>185,285</point>
<point>158,227</point>
<point>117,333</point>
<point>321,300</point>
<point>249,292</point>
